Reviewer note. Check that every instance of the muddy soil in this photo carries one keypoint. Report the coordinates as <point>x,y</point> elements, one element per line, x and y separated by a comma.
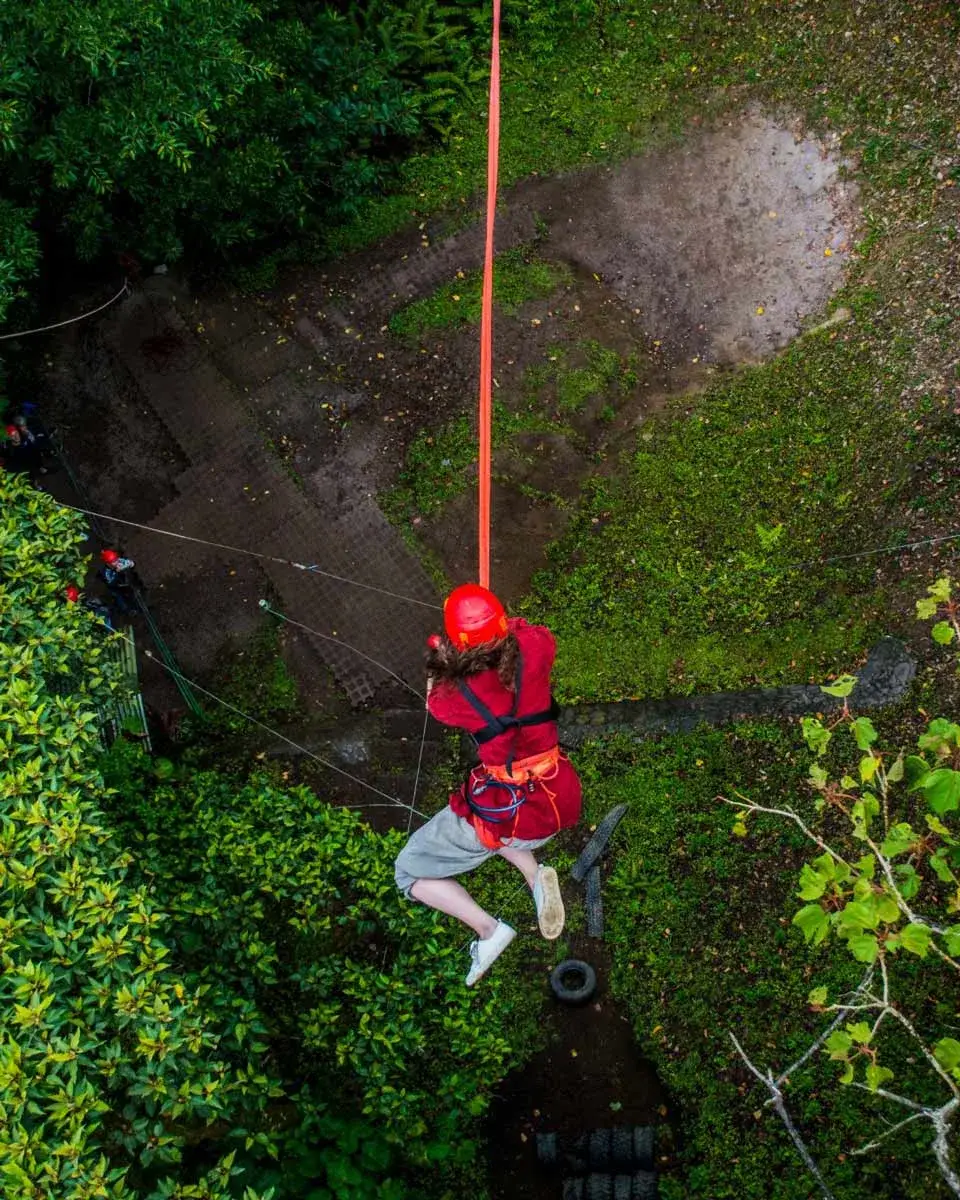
<point>695,258</point>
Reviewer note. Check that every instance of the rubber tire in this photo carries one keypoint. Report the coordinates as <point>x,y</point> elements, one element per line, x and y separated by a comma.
<point>623,1187</point>
<point>622,1148</point>
<point>645,1186</point>
<point>644,1140</point>
<point>579,994</point>
<point>594,903</point>
<point>598,843</point>
<point>573,1189</point>
<point>598,1187</point>
<point>547,1149</point>
<point>600,1150</point>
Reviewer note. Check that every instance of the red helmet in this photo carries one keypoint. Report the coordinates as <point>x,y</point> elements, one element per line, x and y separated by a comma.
<point>473,615</point>
<point>109,557</point>
<point>12,431</point>
<point>73,594</point>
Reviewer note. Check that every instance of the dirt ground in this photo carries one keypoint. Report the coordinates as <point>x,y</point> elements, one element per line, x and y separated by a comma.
<point>695,258</point>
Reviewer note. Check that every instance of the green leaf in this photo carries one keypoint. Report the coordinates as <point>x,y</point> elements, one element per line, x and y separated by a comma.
<point>940,590</point>
<point>915,770</point>
<point>868,768</point>
<point>860,1032</point>
<point>951,935</point>
<point>877,1076</point>
<point>916,939</point>
<point>847,1074</point>
<point>942,737</point>
<point>926,609</point>
<point>864,947</point>
<point>947,1053</point>
<point>839,1044</point>
<point>899,839</point>
<point>895,770</point>
<point>942,633</point>
<point>812,884</point>
<point>943,790</point>
<point>815,734</point>
<point>818,776</point>
<point>739,828</point>
<point>817,997</point>
<point>942,871</point>
<point>864,732</point>
<point>812,920</point>
<point>841,688</point>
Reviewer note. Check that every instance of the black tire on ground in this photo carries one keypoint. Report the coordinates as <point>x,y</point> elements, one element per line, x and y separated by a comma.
<point>594,903</point>
<point>643,1145</point>
<point>547,1149</point>
<point>600,1149</point>
<point>622,1147</point>
<point>598,1187</point>
<point>645,1186</point>
<point>623,1187</point>
<point>598,843</point>
<point>573,981</point>
<point>573,1189</point>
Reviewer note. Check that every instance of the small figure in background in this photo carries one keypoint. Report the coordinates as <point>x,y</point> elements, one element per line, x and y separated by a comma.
<point>21,452</point>
<point>120,579</point>
<point>33,433</point>
<point>97,607</point>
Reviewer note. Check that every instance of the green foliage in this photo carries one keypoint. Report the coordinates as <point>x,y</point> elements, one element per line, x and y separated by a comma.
<point>699,926</point>
<point>155,127</point>
<point>439,463</point>
<point>688,572</point>
<point>519,276</point>
<point>359,995</point>
<point>109,1059</point>
<point>572,377</point>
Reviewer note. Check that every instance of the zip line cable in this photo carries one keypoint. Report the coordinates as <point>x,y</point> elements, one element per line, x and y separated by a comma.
<point>394,802</point>
<point>416,778</point>
<point>70,320</point>
<point>313,568</point>
<point>484,421</point>
<point>810,562</point>
<point>337,641</point>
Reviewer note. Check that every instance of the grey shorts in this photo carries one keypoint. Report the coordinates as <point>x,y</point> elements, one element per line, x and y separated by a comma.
<point>447,845</point>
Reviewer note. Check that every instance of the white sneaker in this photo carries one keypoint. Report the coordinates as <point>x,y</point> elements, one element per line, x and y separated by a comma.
<point>484,952</point>
<point>549,902</point>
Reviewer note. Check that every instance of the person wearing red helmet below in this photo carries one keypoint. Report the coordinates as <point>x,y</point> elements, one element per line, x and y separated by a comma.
<point>491,677</point>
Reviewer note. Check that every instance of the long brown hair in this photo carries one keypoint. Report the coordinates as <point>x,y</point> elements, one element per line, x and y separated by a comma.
<point>445,661</point>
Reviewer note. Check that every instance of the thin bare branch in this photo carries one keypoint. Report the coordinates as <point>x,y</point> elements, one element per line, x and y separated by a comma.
<point>841,1013</point>
<point>791,816</point>
<point>867,1146</point>
<point>776,1098</point>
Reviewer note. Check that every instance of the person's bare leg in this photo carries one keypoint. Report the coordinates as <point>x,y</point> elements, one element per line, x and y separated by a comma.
<point>448,896</point>
<point>524,861</point>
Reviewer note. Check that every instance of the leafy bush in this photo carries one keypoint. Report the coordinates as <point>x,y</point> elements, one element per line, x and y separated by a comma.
<point>109,1060</point>
<point>195,970</point>
<point>154,127</point>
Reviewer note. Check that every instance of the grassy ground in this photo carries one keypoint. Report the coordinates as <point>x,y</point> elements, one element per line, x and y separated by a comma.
<point>699,923</point>
<point>519,276</point>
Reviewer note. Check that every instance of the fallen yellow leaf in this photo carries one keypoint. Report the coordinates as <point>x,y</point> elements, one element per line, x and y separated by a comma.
<point>760,310</point>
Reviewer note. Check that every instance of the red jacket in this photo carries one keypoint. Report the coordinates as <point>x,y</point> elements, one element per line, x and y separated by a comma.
<point>552,803</point>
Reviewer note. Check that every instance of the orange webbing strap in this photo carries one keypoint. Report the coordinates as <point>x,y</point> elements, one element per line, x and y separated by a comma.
<point>537,766</point>
<point>486,306</point>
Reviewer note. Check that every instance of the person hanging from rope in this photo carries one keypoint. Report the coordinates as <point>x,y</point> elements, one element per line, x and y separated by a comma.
<point>490,676</point>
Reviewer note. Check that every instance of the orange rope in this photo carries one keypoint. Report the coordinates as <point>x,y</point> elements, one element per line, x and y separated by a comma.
<point>486,306</point>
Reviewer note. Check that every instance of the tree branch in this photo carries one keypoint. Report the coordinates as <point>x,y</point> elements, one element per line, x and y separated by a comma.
<point>776,1098</point>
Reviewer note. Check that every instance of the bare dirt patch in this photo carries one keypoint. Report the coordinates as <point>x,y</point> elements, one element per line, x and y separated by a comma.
<point>692,259</point>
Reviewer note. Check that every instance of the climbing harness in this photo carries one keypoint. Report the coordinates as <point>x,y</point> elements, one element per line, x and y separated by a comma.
<point>518,778</point>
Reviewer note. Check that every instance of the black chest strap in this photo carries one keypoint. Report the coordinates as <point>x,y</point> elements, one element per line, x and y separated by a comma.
<point>496,725</point>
